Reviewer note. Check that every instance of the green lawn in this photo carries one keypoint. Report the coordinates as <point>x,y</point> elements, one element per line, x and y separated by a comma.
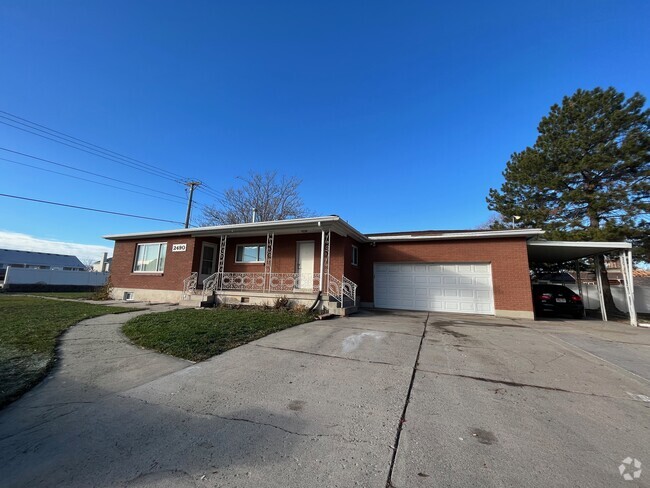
<point>199,334</point>
<point>73,295</point>
<point>29,328</point>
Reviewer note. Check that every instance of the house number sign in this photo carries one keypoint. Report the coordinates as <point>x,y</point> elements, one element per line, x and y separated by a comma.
<point>179,247</point>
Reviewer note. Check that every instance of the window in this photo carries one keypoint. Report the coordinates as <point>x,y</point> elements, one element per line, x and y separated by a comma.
<point>355,256</point>
<point>250,253</point>
<point>150,258</point>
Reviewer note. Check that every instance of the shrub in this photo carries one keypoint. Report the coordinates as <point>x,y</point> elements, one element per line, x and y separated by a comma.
<point>105,292</point>
<point>300,309</point>
<point>282,303</point>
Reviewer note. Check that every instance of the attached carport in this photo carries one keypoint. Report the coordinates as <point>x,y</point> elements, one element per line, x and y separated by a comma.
<point>549,252</point>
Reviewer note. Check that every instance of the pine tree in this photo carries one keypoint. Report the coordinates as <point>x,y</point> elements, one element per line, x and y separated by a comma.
<point>587,177</point>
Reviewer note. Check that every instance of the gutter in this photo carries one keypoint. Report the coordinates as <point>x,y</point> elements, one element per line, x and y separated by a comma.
<point>528,233</point>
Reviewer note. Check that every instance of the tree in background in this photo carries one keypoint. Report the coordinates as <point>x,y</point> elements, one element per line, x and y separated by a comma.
<point>272,197</point>
<point>587,177</point>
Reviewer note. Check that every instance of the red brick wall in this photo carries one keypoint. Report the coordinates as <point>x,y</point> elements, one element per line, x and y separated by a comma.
<point>178,265</point>
<point>508,257</point>
<point>284,253</point>
<point>352,272</point>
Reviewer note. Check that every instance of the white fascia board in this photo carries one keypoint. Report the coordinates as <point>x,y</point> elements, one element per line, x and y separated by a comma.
<point>331,221</point>
<point>584,244</point>
<point>460,235</point>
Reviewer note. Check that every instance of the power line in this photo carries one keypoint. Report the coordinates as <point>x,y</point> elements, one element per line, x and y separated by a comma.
<point>76,140</point>
<point>49,161</point>
<point>81,141</point>
<point>88,208</point>
<point>90,181</point>
<point>94,153</point>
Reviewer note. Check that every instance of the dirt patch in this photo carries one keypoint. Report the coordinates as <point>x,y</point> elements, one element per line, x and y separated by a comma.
<point>443,327</point>
<point>484,436</point>
<point>296,405</point>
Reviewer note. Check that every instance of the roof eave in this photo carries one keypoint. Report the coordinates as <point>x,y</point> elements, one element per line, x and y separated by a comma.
<point>331,222</point>
<point>524,233</point>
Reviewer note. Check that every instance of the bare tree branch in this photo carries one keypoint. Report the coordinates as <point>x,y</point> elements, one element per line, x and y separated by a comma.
<point>273,198</point>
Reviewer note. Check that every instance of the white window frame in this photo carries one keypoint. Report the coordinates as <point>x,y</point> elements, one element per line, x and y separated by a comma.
<point>355,262</point>
<point>160,246</point>
<point>258,253</point>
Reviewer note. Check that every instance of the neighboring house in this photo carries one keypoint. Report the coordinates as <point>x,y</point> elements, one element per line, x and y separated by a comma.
<point>102,265</point>
<point>475,271</point>
<point>37,260</point>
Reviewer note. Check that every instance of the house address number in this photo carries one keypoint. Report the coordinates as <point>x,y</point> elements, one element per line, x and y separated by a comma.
<point>179,247</point>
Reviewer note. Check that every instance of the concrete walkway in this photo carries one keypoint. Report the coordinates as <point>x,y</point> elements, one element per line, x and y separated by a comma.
<point>410,398</point>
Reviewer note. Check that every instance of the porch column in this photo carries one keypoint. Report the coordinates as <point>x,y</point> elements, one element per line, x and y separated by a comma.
<point>599,284</point>
<point>268,262</point>
<point>326,258</point>
<point>222,258</point>
<point>322,260</point>
<point>579,283</point>
<point>628,284</point>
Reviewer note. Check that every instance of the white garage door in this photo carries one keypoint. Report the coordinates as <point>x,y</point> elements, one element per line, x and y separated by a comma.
<point>463,288</point>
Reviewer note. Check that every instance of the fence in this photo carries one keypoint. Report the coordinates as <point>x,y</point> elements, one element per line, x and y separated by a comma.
<point>641,297</point>
<point>53,277</point>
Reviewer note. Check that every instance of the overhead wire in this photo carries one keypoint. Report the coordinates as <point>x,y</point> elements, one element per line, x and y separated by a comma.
<point>96,154</point>
<point>18,197</point>
<point>88,145</point>
<point>99,151</point>
<point>90,181</point>
<point>49,161</point>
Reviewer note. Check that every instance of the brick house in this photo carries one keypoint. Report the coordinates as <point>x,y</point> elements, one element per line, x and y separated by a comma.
<point>326,259</point>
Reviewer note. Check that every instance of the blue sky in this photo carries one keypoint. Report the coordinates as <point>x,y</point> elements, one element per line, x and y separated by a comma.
<point>396,115</point>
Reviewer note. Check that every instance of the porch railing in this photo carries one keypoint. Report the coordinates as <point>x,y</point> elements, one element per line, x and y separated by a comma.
<point>262,282</point>
<point>340,290</point>
<point>189,285</point>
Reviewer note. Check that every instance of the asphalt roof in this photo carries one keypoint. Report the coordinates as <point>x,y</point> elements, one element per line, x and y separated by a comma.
<point>13,256</point>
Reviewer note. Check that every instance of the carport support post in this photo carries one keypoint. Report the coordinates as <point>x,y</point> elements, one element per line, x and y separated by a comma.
<point>628,283</point>
<point>579,283</point>
<point>599,284</point>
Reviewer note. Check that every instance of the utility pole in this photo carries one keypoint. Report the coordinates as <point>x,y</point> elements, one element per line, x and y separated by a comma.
<point>192,185</point>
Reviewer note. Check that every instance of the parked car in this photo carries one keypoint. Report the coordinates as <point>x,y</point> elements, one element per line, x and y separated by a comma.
<point>557,300</point>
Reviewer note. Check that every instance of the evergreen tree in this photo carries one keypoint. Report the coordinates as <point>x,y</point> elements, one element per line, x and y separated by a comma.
<point>587,177</point>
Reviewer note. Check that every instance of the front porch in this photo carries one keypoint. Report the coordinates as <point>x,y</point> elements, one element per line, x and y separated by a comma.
<point>308,268</point>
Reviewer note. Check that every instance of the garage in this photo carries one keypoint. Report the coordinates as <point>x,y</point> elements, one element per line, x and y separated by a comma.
<point>434,287</point>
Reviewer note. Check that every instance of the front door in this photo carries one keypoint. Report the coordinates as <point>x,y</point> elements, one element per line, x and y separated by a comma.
<point>208,260</point>
<point>305,265</point>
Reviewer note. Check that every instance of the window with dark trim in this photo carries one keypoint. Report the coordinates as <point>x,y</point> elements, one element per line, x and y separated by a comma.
<point>150,258</point>
<point>250,253</point>
<point>355,256</point>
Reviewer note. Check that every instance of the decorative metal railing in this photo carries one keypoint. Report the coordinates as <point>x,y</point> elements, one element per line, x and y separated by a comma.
<point>340,289</point>
<point>291,282</point>
<point>189,285</point>
<point>349,289</point>
<point>243,281</point>
<point>274,283</point>
<point>334,287</point>
<point>271,282</point>
<point>211,283</point>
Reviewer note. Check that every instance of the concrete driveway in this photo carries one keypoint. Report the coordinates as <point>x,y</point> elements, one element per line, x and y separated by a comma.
<point>376,399</point>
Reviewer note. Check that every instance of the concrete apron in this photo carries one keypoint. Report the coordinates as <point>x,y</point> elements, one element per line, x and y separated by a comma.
<point>314,405</point>
<point>492,401</point>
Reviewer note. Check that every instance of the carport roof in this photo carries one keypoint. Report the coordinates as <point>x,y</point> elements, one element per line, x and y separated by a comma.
<point>563,251</point>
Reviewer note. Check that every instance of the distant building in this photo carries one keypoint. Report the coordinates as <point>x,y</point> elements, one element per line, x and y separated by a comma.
<point>101,266</point>
<point>37,260</point>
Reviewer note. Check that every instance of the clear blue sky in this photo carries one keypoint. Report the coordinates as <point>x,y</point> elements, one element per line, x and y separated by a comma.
<point>396,115</point>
